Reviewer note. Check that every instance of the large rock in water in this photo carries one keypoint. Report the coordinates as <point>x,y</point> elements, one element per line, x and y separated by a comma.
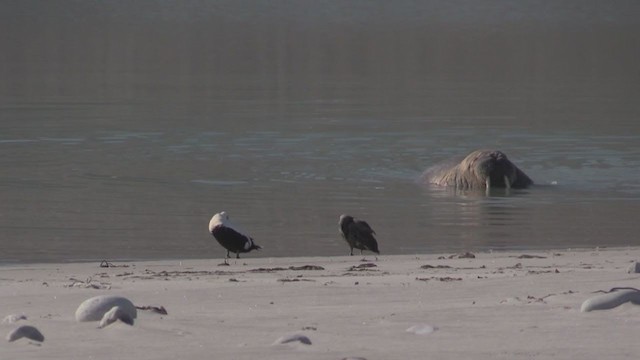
<point>93,309</point>
<point>482,169</point>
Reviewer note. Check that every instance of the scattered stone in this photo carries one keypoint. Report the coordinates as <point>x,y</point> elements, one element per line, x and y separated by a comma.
<point>537,272</point>
<point>292,338</point>
<point>365,265</point>
<point>527,256</point>
<point>529,300</point>
<point>13,318</point>
<point>25,331</point>
<point>167,275</point>
<point>634,268</point>
<point>533,299</point>
<point>108,264</point>
<point>466,255</point>
<point>267,270</point>
<point>439,278</point>
<point>294,280</point>
<point>422,329</point>
<point>159,310</point>
<point>435,267</point>
<point>93,309</point>
<point>511,300</point>
<point>295,268</point>
<point>88,284</point>
<point>362,267</point>
<point>115,314</point>
<point>306,267</point>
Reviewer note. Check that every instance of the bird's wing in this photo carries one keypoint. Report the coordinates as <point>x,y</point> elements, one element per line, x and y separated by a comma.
<point>363,236</point>
<point>363,226</point>
<point>343,232</point>
<point>230,238</point>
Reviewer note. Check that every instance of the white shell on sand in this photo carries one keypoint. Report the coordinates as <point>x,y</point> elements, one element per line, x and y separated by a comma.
<point>13,318</point>
<point>93,309</point>
<point>611,300</point>
<point>115,314</point>
<point>634,268</point>
<point>422,329</point>
<point>26,331</point>
<point>291,338</point>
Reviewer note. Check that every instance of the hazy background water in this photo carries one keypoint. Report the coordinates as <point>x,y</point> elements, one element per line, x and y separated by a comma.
<point>124,125</point>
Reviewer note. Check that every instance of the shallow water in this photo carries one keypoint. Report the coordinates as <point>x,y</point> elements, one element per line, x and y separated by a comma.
<point>123,148</point>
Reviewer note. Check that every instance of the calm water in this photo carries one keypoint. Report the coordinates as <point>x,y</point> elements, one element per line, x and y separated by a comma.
<point>124,126</point>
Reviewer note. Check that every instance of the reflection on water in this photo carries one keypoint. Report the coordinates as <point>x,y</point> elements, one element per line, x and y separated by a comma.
<point>125,125</point>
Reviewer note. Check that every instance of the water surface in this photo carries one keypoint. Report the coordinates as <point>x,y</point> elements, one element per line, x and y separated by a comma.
<point>125,126</point>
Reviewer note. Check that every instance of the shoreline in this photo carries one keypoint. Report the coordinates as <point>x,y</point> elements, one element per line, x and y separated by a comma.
<point>356,255</point>
<point>511,305</point>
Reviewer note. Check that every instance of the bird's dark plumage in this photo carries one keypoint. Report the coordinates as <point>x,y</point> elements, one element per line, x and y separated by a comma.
<point>230,238</point>
<point>358,234</point>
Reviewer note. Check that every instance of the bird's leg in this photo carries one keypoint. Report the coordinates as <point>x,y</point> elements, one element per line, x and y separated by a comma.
<point>351,252</point>
<point>237,255</point>
<point>364,258</point>
<point>226,262</point>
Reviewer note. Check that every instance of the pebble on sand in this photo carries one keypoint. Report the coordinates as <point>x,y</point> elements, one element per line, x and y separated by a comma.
<point>115,314</point>
<point>634,268</point>
<point>422,329</point>
<point>611,300</point>
<point>13,318</point>
<point>25,331</point>
<point>93,309</point>
<point>292,338</point>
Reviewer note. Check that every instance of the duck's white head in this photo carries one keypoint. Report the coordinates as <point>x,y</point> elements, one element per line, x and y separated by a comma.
<point>220,218</point>
<point>343,218</point>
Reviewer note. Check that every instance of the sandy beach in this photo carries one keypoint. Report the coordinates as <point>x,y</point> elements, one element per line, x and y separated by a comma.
<point>507,305</point>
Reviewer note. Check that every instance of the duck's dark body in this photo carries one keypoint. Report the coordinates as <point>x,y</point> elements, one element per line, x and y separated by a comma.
<point>230,239</point>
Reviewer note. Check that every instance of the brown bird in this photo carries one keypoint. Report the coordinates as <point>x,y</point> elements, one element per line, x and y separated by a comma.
<point>358,234</point>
